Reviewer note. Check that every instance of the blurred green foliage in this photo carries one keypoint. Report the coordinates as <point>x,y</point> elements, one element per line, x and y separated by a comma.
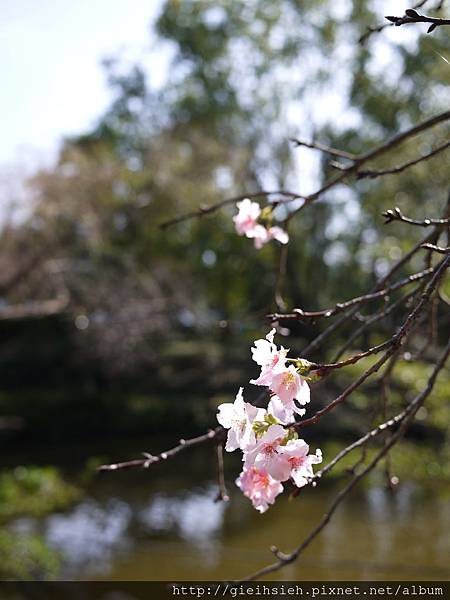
<point>407,461</point>
<point>154,310</point>
<point>34,491</point>
<point>31,492</point>
<point>26,557</point>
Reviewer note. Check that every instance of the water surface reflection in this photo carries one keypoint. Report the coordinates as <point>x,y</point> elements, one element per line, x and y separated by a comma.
<point>165,525</point>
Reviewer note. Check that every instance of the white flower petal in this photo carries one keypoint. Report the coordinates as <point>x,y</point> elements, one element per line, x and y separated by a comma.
<point>226,414</point>
<point>232,442</point>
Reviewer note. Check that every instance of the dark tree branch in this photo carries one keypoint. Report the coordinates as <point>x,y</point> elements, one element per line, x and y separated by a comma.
<point>370,155</point>
<point>362,441</point>
<point>301,315</point>
<point>222,495</point>
<point>212,434</point>
<point>401,137</point>
<point>437,249</point>
<point>323,369</point>
<point>373,319</point>
<point>324,148</point>
<point>358,161</point>
<point>378,28</point>
<point>206,210</point>
<point>372,173</point>
<point>397,340</point>
<point>281,275</point>
<point>427,291</point>
<point>318,340</point>
<point>412,16</point>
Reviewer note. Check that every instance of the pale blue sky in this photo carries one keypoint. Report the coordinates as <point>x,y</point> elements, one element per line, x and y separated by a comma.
<point>53,84</point>
<point>50,55</point>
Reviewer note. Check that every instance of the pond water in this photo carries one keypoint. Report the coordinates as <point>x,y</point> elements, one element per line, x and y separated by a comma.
<point>163,523</point>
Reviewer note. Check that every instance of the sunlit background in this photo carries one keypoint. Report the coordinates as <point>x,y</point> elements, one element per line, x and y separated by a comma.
<point>119,337</point>
<point>54,84</point>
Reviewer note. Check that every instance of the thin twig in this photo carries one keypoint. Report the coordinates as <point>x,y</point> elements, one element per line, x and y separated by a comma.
<point>151,459</point>
<point>222,495</point>
<point>373,319</point>
<point>206,210</point>
<point>412,16</point>
<point>396,215</point>
<point>395,342</point>
<point>378,28</point>
<point>299,314</point>
<point>324,148</point>
<point>438,249</point>
<point>362,441</point>
<point>385,382</point>
<point>351,169</point>
<point>370,155</point>
<point>373,173</point>
<point>323,369</point>
<point>281,276</point>
<point>318,340</point>
<point>397,339</point>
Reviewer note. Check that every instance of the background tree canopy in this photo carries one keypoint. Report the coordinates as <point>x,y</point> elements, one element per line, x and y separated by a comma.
<point>134,302</point>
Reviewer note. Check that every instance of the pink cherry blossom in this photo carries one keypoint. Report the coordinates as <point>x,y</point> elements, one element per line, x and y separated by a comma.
<point>276,233</point>
<point>246,219</point>
<point>264,350</point>
<point>246,223</point>
<point>270,454</point>
<point>259,487</point>
<point>238,417</point>
<point>284,411</point>
<point>288,386</point>
<point>271,359</point>
<point>267,455</point>
<point>261,235</point>
<point>300,461</point>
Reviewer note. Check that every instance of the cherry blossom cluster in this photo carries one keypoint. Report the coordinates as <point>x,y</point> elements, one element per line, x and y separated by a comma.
<point>251,221</point>
<point>272,451</point>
